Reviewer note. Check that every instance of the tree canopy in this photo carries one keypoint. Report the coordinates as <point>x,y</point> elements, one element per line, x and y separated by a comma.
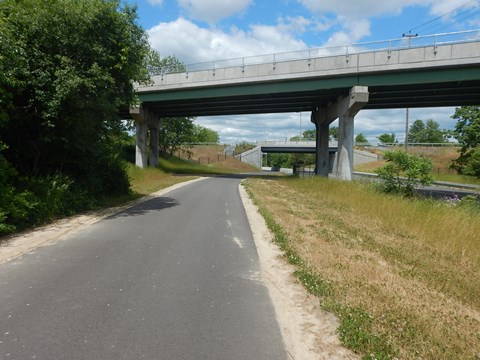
<point>386,138</point>
<point>333,132</point>
<point>156,64</point>
<point>361,139</point>
<point>202,134</point>
<point>65,68</point>
<point>467,132</point>
<point>426,132</point>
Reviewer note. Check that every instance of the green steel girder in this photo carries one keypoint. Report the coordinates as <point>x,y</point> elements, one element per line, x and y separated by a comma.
<point>427,87</point>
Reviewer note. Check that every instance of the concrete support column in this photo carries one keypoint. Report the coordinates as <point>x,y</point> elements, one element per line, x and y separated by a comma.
<point>141,144</point>
<point>145,120</point>
<point>154,127</point>
<point>347,108</point>
<point>319,118</point>
<point>344,163</point>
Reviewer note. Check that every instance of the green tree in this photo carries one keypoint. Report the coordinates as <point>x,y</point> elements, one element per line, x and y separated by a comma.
<point>300,159</point>
<point>386,138</point>
<point>415,131</point>
<point>156,64</point>
<point>403,172</point>
<point>426,132</point>
<point>175,133</point>
<point>467,132</point>
<point>278,160</point>
<point>205,135</point>
<point>243,146</point>
<point>361,139</point>
<point>66,66</point>
<point>333,132</point>
<point>310,134</point>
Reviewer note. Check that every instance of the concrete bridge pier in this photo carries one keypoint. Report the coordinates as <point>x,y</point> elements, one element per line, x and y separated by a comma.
<point>322,163</point>
<point>146,122</point>
<point>141,144</point>
<point>345,108</point>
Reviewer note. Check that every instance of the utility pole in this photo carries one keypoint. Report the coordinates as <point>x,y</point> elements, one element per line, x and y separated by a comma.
<point>406,130</point>
<point>301,135</point>
<point>409,36</point>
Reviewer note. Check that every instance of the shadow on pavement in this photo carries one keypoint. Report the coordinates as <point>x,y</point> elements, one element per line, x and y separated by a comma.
<point>155,204</point>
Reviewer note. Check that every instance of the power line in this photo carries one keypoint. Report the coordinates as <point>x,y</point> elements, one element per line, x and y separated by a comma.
<point>455,19</point>
<point>446,15</point>
<point>455,22</point>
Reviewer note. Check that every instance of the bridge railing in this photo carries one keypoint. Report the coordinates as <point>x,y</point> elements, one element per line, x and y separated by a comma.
<point>308,54</point>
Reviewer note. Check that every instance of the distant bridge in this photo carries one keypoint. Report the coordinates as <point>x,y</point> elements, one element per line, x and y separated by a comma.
<point>439,70</point>
<point>254,156</point>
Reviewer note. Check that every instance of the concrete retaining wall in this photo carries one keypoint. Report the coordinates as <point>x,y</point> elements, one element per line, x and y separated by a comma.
<point>252,157</point>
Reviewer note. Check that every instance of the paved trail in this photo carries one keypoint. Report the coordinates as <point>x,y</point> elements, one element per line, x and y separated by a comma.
<point>175,277</point>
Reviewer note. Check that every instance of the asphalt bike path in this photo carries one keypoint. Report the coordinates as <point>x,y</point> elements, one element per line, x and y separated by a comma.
<point>174,277</point>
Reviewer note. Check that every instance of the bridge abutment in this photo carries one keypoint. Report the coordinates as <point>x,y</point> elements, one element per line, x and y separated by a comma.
<point>345,108</point>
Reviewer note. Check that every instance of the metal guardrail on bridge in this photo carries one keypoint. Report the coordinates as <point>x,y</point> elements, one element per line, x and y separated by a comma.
<point>350,49</point>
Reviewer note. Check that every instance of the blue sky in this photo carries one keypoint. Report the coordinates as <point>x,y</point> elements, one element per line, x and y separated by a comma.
<point>205,30</point>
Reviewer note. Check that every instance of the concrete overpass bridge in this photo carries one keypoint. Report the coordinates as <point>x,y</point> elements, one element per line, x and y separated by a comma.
<point>255,155</point>
<point>331,83</point>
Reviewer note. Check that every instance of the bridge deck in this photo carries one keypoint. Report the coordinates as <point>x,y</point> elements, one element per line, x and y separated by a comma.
<point>428,76</point>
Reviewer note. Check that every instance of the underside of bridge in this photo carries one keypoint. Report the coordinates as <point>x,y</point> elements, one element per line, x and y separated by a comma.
<point>327,98</point>
<point>401,89</point>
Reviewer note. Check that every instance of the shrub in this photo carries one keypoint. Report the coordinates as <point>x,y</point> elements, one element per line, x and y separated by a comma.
<point>403,172</point>
<point>471,165</point>
<point>14,205</point>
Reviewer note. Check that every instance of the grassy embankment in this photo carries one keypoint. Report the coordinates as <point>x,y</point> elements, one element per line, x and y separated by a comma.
<point>442,158</point>
<point>205,160</point>
<point>401,275</point>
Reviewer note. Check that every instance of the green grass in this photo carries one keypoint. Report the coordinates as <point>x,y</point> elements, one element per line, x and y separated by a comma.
<point>175,165</point>
<point>148,180</point>
<point>455,178</point>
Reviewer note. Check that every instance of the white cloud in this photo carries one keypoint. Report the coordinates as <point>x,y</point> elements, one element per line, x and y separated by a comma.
<point>446,6</point>
<point>353,32</point>
<point>253,128</point>
<point>213,11</point>
<point>354,9</point>
<point>155,2</point>
<point>294,25</point>
<point>354,16</point>
<point>191,43</point>
<point>371,123</point>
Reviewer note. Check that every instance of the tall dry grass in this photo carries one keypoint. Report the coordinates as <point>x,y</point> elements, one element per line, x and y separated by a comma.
<point>412,265</point>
